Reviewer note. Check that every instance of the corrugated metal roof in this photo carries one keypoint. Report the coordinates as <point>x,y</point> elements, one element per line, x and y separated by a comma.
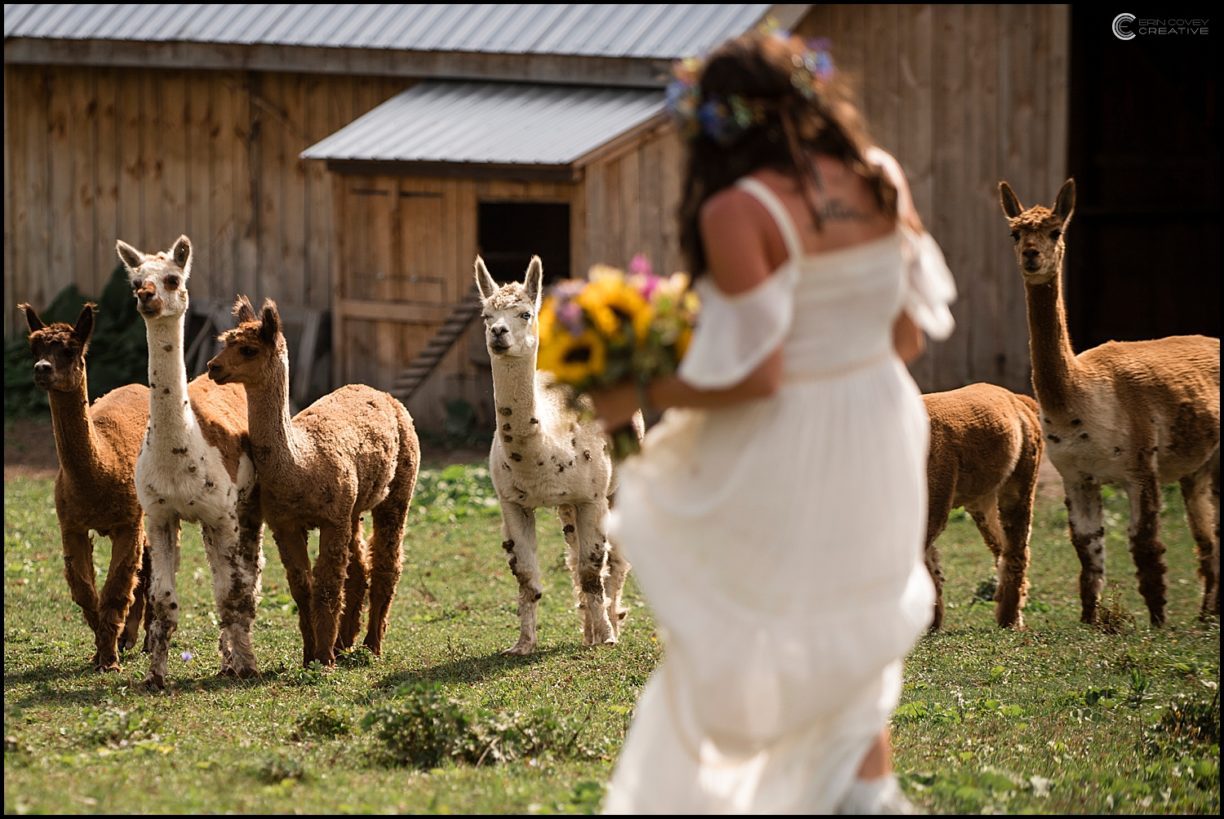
<point>490,123</point>
<point>644,31</point>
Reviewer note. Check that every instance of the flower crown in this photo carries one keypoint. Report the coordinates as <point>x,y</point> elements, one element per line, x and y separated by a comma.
<point>725,120</point>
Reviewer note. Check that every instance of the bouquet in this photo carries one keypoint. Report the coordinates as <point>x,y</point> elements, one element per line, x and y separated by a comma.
<point>616,327</point>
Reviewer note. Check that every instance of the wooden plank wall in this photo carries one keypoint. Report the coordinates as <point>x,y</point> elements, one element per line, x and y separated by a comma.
<point>95,154</point>
<point>963,96</point>
<point>630,203</point>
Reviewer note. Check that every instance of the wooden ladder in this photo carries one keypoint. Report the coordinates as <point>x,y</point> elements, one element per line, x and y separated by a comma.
<point>410,380</point>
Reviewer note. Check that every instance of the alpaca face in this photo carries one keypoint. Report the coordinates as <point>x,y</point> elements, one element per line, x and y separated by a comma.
<point>59,350</point>
<point>510,311</point>
<point>254,351</point>
<point>159,280</point>
<point>1038,232</point>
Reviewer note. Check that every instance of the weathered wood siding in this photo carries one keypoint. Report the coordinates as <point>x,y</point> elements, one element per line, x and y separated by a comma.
<point>96,154</point>
<point>963,96</point>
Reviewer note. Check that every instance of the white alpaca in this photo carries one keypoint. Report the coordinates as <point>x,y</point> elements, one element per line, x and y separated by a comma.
<point>544,455</point>
<point>194,465</point>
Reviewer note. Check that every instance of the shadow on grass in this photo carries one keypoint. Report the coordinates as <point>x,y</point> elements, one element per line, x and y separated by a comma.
<point>46,693</point>
<point>476,669</point>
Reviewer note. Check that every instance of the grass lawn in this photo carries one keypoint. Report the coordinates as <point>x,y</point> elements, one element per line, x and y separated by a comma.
<point>1059,718</point>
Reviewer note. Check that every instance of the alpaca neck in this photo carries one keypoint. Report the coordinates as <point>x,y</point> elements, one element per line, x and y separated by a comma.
<point>514,396</point>
<point>171,420</point>
<point>274,441</point>
<point>1054,367</point>
<point>75,440</point>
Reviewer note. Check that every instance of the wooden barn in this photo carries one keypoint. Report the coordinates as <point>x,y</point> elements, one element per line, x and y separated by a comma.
<point>350,161</point>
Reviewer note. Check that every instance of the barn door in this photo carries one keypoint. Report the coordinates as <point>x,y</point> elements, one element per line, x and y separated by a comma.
<point>1143,249</point>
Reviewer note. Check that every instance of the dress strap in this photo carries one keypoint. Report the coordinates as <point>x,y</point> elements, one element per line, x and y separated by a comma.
<point>777,210</point>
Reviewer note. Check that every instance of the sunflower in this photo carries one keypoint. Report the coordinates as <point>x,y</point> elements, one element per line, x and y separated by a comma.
<point>612,304</point>
<point>574,360</point>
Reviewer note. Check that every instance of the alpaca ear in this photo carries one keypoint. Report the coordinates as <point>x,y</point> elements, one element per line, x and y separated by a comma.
<point>484,282</point>
<point>1011,204</point>
<point>85,323</point>
<point>181,253</point>
<point>32,319</point>
<point>1064,205</point>
<point>271,327</point>
<point>534,282</point>
<point>243,311</point>
<point>130,256</point>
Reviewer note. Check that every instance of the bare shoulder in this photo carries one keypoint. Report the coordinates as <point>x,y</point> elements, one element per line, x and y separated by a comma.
<point>732,207</point>
<point>733,230</point>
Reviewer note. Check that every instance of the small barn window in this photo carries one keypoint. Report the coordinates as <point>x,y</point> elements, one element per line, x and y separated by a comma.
<point>510,233</point>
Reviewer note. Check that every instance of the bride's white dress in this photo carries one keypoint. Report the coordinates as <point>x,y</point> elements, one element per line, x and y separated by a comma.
<point>779,542</point>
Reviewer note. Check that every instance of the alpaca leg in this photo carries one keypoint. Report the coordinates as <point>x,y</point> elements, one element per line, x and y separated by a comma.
<point>939,506</point>
<point>356,583</point>
<point>243,555</point>
<point>987,517</point>
<point>327,599</point>
<point>79,571</point>
<point>163,545</point>
<point>1201,515</point>
<point>386,563</point>
<point>117,593</point>
<point>1085,517</point>
<point>1016,512</point>
<point>518,525</point>
<point>618,570</point>
<point>291,545</point>
<point>1146,548</point>
<point>138,612</point>
<point>569,530</point>
<point>592,565</point>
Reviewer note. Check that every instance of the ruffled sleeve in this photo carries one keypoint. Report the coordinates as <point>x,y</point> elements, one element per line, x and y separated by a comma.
<point>928,286</point>
<point>734,334</point>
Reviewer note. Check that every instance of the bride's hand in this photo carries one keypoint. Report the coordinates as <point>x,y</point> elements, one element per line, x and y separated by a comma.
<point>614,406</point>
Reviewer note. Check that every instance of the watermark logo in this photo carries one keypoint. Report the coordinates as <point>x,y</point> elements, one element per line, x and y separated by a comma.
<point>1128,26</point>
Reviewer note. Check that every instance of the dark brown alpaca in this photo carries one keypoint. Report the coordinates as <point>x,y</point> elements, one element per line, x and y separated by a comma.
<point>95,487</point>
<point>985,450</point>
<point>1136,414</point>
<point>352,451</point>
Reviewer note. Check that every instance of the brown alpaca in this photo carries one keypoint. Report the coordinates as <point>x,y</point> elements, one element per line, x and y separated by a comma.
<point>985,450</point>
<point>351,451</point>
<point>1135,414</point>
<point>95,487</point>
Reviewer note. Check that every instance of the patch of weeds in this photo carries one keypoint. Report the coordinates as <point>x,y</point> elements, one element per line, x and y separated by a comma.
<point>920,710</point>
<point>587,796</point>
<point>115,727</point>
<point>1186,723</point>
<point>457,491</point>
<point>356,657</point>
<point>327,722</point>
<point>312,674</point>
<point>275,769</point>
<point>1113,618</point>
<point>423,727</point>
<point>985,591</point>
<point>420,729</point>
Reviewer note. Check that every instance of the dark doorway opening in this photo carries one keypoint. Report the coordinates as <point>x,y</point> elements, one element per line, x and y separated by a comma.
<point>510,233</point>
<point>1143,249</point>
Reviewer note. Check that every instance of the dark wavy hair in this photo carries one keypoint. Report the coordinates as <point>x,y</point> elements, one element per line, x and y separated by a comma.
<point>794,127</point>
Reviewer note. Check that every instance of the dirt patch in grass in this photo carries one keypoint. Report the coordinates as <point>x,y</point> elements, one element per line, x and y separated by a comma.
<point>29,449</point>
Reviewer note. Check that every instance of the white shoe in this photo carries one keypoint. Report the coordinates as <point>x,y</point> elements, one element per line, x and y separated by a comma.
<point>872,797</point>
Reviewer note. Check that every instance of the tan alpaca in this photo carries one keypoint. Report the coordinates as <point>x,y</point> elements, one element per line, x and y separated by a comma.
<point>354,450</point>
<point>95,487</point>
<point>193,466</point>
<point>1135,414</point>
<point>543,455</point>
<point>984,454</point>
